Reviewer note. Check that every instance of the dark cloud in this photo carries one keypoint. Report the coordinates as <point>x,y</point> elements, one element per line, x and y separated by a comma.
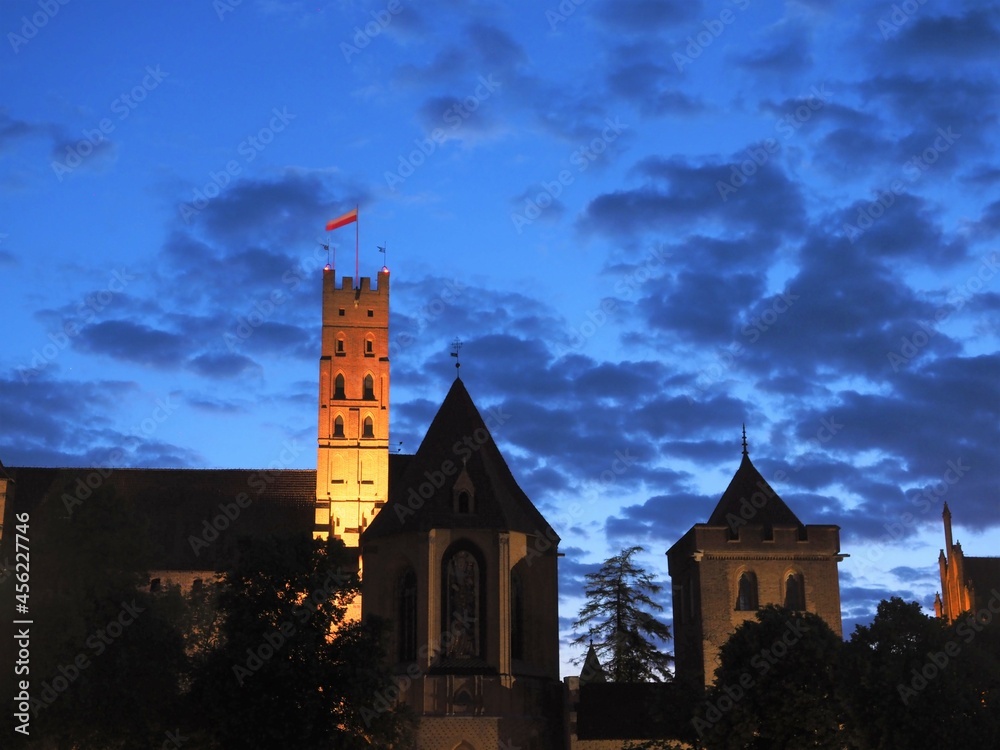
<point>646,16</point>
<point>223,365</point>
<point>133,342</point>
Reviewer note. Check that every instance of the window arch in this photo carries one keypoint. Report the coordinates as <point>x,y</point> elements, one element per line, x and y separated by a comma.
<point>407,615</point>
<point>463,502</point>
<point>746,594</point>
<point>463,602</point>
<point>369,428</point>
<point>795,592</point>
<point>338,386</point>
<point>369,388</point>
<point>338,427</point>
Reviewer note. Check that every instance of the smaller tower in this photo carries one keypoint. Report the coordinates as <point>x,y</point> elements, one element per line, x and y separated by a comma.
<point>753,551</point>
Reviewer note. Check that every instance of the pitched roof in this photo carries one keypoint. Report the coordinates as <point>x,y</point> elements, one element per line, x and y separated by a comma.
<point>177,504</point>
<point>749,488</point>
<point>984,575</point>
<point>457,444</point>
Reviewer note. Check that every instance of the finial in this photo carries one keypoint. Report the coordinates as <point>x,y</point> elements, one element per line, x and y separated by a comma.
<point>455,346</point>
<point>745,440</point>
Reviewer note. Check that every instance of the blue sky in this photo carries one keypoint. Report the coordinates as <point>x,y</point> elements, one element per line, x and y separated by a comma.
<point>648,222</point>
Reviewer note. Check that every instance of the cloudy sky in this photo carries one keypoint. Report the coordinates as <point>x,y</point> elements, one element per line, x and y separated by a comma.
<point>648,222</point>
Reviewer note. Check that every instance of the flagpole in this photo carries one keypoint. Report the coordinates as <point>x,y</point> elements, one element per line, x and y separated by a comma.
<point>357,230</point>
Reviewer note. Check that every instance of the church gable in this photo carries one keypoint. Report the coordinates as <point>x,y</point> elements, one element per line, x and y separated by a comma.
<point>458,479</point>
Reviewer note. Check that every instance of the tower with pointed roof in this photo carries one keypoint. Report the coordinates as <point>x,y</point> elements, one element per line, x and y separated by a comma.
<point>464,566</point>
<point>753,551</point>
<point>352,464</point>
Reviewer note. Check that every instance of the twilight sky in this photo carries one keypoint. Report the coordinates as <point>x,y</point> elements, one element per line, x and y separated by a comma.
<point>648,221</point>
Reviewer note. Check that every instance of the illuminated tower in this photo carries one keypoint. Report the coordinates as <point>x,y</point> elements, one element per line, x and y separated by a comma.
<point>352,467</point>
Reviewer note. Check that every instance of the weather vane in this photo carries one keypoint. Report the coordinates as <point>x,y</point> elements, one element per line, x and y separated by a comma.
<point>455,346</point>
<point>326,246</point>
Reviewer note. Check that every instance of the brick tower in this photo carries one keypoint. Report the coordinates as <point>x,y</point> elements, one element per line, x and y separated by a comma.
<point>352,465</point>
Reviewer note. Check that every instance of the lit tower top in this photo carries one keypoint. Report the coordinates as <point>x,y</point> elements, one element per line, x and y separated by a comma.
<point>352,468</point>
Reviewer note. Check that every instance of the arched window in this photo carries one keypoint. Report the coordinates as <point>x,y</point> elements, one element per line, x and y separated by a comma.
<point>462,602</point>
<point>338,386</point>
<point>463,502</point>
<point>746,596</point>
<point>408,616</point>
<point>516,616</point>
<point>369,428</point>
<point>338,427</point>
<point>369,388</point>
<point>795,592</point>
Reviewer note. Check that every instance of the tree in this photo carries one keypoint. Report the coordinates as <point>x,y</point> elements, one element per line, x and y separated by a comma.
<point>913,681</point>
<point>619,621</point>
<point>288,670</point>
<point>776,686</point>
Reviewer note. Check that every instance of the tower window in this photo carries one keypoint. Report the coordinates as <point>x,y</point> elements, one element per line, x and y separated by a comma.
<point>795,592</point>
<point>369,347</point>
<point>340,312</point>
<point>369,388</point>
<point>371,313</point>
<point>338,386</point>
<point>369,431</point>
<point>463,503</point>
<point>746,596</point>
<point>340,346</point>
<point>338,427</point>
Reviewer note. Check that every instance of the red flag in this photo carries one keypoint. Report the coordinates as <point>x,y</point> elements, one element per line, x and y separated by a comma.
<point>342,221</point>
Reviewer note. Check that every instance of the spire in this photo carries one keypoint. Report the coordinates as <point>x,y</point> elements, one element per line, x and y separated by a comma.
<point>592,670</point>
<point>745,453</point>
<point>946,517</point>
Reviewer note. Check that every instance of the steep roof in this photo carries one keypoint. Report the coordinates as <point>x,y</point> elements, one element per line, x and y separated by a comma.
<point>457,445</point>
<point>984,575</point>
<point>749,489</point>
<point>178,502</point>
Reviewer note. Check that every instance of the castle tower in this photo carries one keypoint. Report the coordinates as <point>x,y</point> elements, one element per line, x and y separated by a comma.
<point>352,465</point>
<point>753,551</point>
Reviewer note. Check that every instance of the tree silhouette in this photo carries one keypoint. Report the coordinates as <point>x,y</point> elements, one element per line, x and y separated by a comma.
<point>618,618</point>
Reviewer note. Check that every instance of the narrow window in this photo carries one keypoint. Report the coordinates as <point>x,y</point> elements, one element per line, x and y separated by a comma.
<point>338,387</point>
<point>369,347</point>
<point>463,503</point>
<point>408,616</point>
<point>338,427</point>
<point>369,428</point>
<point>369,388</point>
<point>746,597</point>
<point>795,592</point>
<point>340,346</point>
